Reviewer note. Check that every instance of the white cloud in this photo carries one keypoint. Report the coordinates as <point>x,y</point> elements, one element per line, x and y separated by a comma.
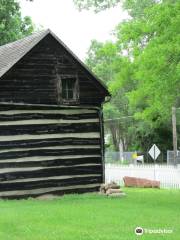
<point>75,28</point>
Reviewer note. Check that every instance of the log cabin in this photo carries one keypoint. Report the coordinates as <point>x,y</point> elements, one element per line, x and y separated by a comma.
<point>51,120</point>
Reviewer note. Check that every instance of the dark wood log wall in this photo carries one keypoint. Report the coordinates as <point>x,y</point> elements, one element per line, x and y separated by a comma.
<point>47,149</point>
<point>34,78</point>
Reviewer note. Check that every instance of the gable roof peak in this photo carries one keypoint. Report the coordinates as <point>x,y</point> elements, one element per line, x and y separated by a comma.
<point>12,52</point>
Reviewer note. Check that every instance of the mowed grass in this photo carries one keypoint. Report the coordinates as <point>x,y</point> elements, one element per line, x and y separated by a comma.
<point>92,217</point>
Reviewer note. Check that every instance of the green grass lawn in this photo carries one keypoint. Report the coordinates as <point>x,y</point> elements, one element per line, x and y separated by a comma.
<point>92,217</point>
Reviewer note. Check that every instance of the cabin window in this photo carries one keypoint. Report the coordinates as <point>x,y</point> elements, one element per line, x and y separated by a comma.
<point>69,89</point>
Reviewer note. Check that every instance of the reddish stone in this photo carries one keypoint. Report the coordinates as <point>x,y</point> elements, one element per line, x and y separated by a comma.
<point>140,182</point>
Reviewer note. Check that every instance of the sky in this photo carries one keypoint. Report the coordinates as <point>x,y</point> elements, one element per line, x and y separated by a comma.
<point>76,29</point>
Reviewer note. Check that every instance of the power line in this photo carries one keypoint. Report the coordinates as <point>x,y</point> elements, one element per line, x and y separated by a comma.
<point>111,119</point>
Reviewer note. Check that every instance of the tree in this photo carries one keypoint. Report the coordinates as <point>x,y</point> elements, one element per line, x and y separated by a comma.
<point>105,61</point>
<point>101,59</point>
<point>143,71</point>
<point>12,25</point>
<point>152,44</point>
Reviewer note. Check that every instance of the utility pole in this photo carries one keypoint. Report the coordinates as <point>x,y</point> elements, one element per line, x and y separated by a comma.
<point>174,134</point>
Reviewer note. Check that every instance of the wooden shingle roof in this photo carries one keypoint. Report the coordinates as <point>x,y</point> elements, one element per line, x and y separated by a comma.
<point>11,53</point>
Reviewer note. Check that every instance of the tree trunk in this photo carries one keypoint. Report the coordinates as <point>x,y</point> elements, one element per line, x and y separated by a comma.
<point>121,151</point>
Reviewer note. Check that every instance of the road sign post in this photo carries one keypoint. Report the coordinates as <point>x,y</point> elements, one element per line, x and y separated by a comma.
<point>154,152</point>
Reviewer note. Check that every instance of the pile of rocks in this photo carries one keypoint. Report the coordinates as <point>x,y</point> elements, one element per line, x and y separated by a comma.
<point>111,189</point>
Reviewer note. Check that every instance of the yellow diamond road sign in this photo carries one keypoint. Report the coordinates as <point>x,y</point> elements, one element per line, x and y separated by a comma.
<point>154,152</point>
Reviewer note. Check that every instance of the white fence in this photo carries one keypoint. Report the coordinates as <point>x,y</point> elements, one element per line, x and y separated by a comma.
<point>168,175</point>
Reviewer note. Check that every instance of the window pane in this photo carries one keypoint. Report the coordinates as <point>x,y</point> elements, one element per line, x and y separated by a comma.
<point>70,94</point>
<point>64,93</point>
<point>68,88</point>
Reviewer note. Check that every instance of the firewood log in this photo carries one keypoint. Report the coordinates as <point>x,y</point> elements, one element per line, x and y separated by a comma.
<point>112,185</point>
<point>102,188</point>
<point>111,190</point>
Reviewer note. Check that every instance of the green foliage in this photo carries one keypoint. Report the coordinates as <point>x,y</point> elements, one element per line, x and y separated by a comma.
<point>142,70</point>
<point>133,7</point>
<point>12,25</point>
<point>136,8</point>
<point>154,45</point>
<point>102,58</point>
<point>96,5</point>
<point>105,61</point>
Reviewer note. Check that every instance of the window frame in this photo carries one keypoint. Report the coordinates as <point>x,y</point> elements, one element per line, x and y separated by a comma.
<point>75,99</point>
